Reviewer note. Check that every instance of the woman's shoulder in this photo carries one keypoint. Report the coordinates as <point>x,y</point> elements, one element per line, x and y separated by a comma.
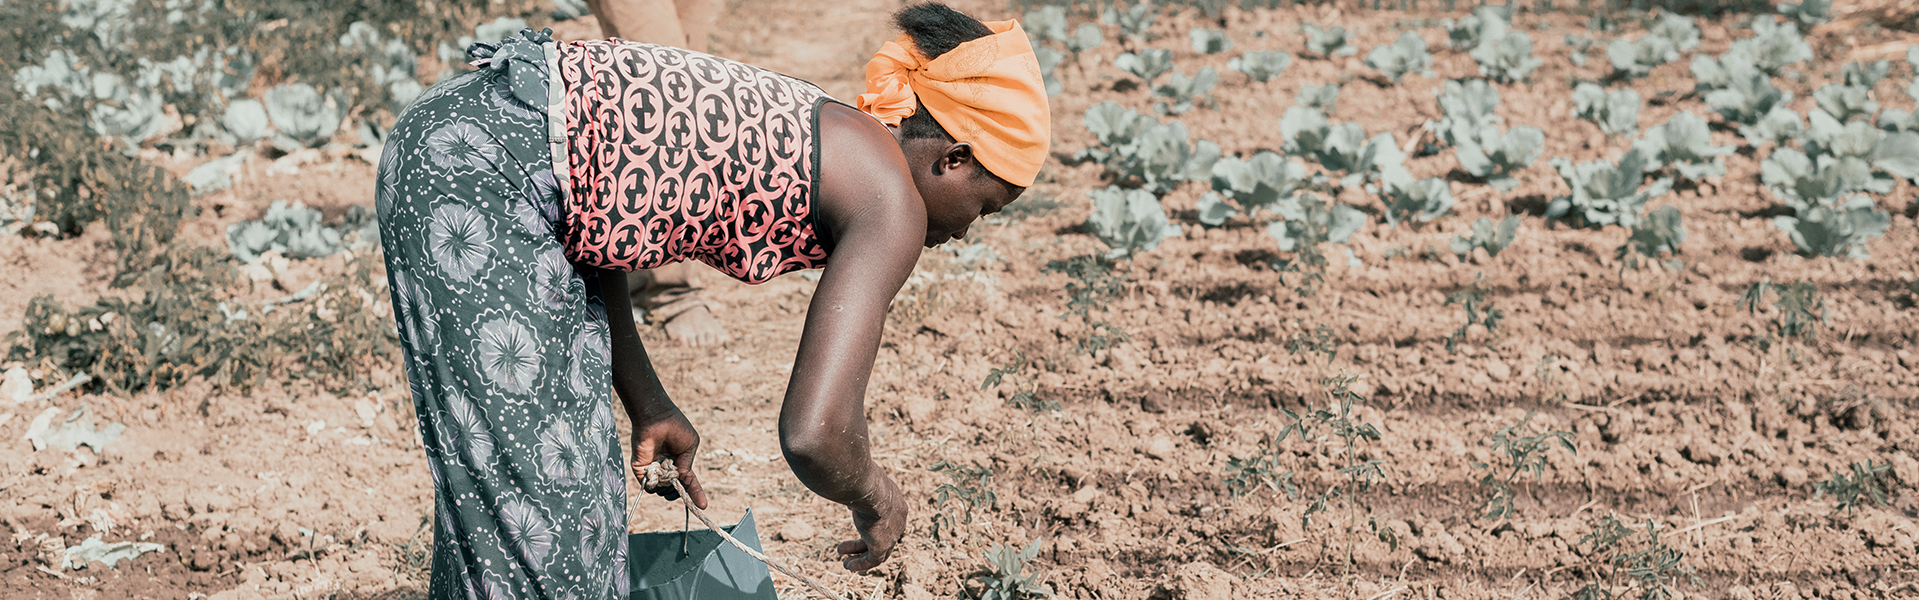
<point>860,163</point>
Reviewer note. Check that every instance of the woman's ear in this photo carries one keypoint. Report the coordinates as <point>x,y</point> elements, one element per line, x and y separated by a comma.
<point>956,156</point>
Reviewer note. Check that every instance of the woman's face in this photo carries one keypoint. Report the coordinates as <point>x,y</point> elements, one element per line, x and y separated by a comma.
<point>957,191</point>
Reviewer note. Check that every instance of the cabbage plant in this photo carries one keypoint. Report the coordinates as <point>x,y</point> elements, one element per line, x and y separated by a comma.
<point>1084,38</point>
<point>293,230</point>
<point>1809,13</point>
<point>1134,22</point>
<point>1747,98</point>
<point>1261,66</point>
<point>1577,46</point>
<point>1258,182</point>
<point>1685,144</point>
<point>1616,112</point>
<point>1046,23</point>
<point>1496,156</point>
<point>1845,102</point>
<point>1182,91</point>
<point>1840,229</point>
<point>1508,58</point>
<point>1487,22</point>
<point>1209,41</point>
<point>1896,120</point>
<point>1407,54</point>
<point>1466,107</point>
<point>1416,201</point>
<point>1639,57</point>
<point>1677,29</point>
<point>1309,221</point>
<point>1772,47</point>
<point>1484,233</point>
<point>1328,42</point>
<point>1321,97</point>
<point>1865,74</point>
<point>304,116</point>
<point>1661,232</point>
<point>1147,64</point>
<point>1606,193</point>
<point>1712,74</point>
<point>1128,221</point>
<point>1779,126</point>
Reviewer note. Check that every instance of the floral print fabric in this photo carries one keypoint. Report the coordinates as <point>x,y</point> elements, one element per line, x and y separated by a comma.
<point>506,350</point>
<point>676,154</point>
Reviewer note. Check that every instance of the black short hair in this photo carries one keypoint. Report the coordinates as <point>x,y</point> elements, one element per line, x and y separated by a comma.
<point>936,29</point>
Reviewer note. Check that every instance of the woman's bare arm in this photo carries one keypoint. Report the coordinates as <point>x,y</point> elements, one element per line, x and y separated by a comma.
<point>879,224</point>
<point>659,430</point>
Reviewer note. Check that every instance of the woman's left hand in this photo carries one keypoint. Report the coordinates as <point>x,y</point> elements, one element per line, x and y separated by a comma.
<point>669,436</point>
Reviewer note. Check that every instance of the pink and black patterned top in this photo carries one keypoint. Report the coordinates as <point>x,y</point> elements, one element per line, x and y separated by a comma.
<point>675,154</point>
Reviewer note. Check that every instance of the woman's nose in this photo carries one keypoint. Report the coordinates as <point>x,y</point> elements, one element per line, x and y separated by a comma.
<point>962,232</point>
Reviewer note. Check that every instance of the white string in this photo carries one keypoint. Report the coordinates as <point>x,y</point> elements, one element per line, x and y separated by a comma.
<point>654,475</point>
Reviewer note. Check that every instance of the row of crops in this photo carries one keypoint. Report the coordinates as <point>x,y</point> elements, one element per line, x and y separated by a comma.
<point>1825,167</point>
<point>101,89</point>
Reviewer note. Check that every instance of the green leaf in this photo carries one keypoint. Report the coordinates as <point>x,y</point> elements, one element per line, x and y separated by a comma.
<point>1845,102</point>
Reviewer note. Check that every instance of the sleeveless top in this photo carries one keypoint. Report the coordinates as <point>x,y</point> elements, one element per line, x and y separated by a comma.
<point>676,154</point>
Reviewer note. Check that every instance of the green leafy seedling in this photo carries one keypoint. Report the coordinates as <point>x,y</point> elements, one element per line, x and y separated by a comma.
<point>1024,386</point>
<point>1473,300</point>
<point>1649,565</point>
<point>1486,234</point>
<point>1523,454</point>
<point>1848,489</point>
<point>1008,580</point>
<point>1091,282</point>
<point>1360,475</point>
<point>970,489</point>
<point>1660,233</point>
<point>1800,303</point>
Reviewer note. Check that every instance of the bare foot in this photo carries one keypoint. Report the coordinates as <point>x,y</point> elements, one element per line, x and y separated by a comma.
<point>697,327</point>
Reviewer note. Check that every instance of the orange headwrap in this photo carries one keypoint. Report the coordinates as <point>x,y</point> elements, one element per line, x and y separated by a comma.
<point>987,92</point>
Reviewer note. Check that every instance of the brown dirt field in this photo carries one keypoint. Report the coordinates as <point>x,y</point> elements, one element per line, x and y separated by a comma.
<point>288,491</point>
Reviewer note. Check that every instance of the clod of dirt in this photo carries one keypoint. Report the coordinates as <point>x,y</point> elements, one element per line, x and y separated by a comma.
<point>1201,432</point>
<point>1154,401</point>
<point>796,530</point>
<point>1198,580</point>
<point>1792,477</point>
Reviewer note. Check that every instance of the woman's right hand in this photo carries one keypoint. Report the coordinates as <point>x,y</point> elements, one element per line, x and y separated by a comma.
<point>881,519</point>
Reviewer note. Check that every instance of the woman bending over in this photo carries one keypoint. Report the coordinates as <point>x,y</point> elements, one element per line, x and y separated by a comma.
<point>514,199</point>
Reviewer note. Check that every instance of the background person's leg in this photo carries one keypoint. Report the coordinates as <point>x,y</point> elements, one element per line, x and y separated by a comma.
<point>666,295</point>
<point>696,20</point>
<point>649,21</point>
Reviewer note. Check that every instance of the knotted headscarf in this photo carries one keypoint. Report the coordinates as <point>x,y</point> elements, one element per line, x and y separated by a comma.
<point>987,92</point>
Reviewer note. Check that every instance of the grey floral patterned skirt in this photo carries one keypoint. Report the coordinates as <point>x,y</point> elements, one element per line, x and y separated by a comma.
<point>506,349</point>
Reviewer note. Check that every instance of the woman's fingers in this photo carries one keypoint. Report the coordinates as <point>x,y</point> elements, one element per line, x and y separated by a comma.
<point>684,464</point>
<point>859,556</point>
